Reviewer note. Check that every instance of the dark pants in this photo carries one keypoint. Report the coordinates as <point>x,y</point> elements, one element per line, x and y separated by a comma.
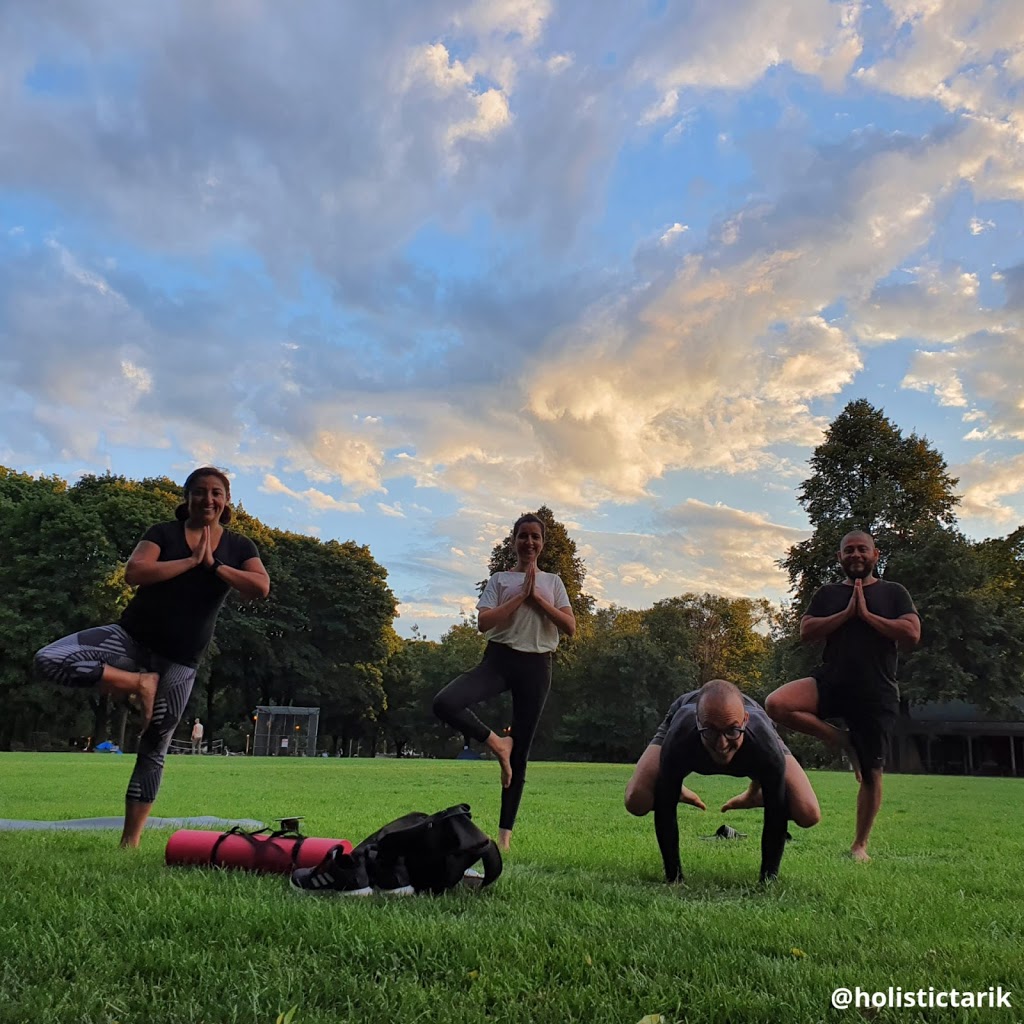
<point>528,676</point>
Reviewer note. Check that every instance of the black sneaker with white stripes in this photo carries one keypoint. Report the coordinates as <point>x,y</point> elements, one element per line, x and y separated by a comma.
<point>338,874</point>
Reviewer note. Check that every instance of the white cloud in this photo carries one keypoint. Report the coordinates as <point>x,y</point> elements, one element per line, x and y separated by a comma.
<point>938,304</point>
<point>937,373</point>
<point>491,115</point>
<point>293,147</point>
<point>672,233</point>
<point>665,107</point>
<point>963,54</point>
<point>982,375</point>
<point>433,64</point>
<point>702,47</point>
<point>448,609</point>
<point>694,547</point>
<point>137,378</point>
<point>523,17</point>
<point>985,482</point>
<point>718,359</point>
<point>318,501</point>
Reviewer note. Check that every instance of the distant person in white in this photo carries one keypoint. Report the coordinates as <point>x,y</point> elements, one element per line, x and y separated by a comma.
<point>197,737</point>
<point>522,613</point>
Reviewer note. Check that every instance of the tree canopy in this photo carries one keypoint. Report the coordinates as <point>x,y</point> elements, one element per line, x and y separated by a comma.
<point>320,638</point>
<point>325,636</point>
<point>866,475</point>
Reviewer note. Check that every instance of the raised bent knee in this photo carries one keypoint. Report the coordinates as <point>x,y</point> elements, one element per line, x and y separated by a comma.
<point>442,709</point>
<point>639,801</point>
<point>807,817</point>
<point>776,707</point>
<point>49,664</point>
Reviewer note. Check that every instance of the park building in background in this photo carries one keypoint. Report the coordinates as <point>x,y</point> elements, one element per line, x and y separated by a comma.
<point>957,738</point>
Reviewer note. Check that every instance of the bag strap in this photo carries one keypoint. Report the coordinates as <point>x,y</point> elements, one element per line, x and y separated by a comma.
<point>281,833</point>
<point>491,858</point>
<point>235,830</point>
<point>291,833</point>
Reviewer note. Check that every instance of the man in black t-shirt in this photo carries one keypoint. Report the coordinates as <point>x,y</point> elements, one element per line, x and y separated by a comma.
<point>861,620</point>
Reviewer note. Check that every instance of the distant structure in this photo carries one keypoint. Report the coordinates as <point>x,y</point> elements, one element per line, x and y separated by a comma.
<point>285,732</point>
<point>957,738</point>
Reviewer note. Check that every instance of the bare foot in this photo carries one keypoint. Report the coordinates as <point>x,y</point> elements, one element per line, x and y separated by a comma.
<point>750,797</point>
<point>129,842</point>
<point>504,839</point>
<point>860,854</point>
<point>503,752</point>
<point>144,698</point>
<point>687,796</point>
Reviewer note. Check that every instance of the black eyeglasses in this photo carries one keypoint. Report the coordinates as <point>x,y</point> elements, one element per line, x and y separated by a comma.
<point>733,733</point>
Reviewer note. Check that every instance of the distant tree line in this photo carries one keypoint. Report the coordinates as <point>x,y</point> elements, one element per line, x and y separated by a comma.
<point>326,638</point>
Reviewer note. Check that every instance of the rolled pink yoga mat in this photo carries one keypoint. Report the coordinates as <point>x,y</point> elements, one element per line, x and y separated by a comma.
<point>264,853</point>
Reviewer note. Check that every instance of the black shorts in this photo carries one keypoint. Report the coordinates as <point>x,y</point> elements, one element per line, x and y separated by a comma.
<point>871,721</point>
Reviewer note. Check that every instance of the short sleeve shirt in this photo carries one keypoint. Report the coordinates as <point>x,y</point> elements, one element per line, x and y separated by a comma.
<point>760,729</point>
<point>176,618</point>
<point>857,658</point>
<point>530,630</point>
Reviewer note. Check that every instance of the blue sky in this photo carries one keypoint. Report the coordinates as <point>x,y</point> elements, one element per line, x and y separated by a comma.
<point>408,270</point>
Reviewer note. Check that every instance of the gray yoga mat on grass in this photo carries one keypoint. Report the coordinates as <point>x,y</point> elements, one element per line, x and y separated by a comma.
<point>85,824</point>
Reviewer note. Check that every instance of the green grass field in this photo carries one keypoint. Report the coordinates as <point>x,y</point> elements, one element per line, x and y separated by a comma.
<point>580,927</point>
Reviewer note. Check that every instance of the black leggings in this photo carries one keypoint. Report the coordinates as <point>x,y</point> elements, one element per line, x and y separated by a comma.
<point>78,660</point>
<point>528,676</point>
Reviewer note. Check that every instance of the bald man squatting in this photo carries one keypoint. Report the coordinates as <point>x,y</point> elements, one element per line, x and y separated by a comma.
<point>717,730</point>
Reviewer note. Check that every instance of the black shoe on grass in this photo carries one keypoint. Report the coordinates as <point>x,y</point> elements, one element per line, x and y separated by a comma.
<point>338,874</point>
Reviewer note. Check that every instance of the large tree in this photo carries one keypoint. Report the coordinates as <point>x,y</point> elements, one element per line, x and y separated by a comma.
<point>126,508</point>
<point>866,475</point>
<point>721,637</point>
<point>612,695</point>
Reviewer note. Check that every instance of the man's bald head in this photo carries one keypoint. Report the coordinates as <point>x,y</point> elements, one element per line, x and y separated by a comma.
<point>718,697</point>
<point>721,718</point>
<point>858,555</point>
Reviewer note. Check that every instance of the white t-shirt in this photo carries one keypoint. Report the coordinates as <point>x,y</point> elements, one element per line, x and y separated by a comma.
<point>197,731</point>
<point>530,630</point>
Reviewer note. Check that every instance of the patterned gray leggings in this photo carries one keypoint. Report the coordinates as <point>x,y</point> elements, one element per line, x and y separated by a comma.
<point>78,660</point>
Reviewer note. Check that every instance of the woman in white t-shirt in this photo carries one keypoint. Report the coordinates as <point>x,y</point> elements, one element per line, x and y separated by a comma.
<point>521,614</point>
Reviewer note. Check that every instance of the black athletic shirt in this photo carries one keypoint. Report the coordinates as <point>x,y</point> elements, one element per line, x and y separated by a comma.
<point>761,757</point>
<point>175,618</point>
<point>857,658</point>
